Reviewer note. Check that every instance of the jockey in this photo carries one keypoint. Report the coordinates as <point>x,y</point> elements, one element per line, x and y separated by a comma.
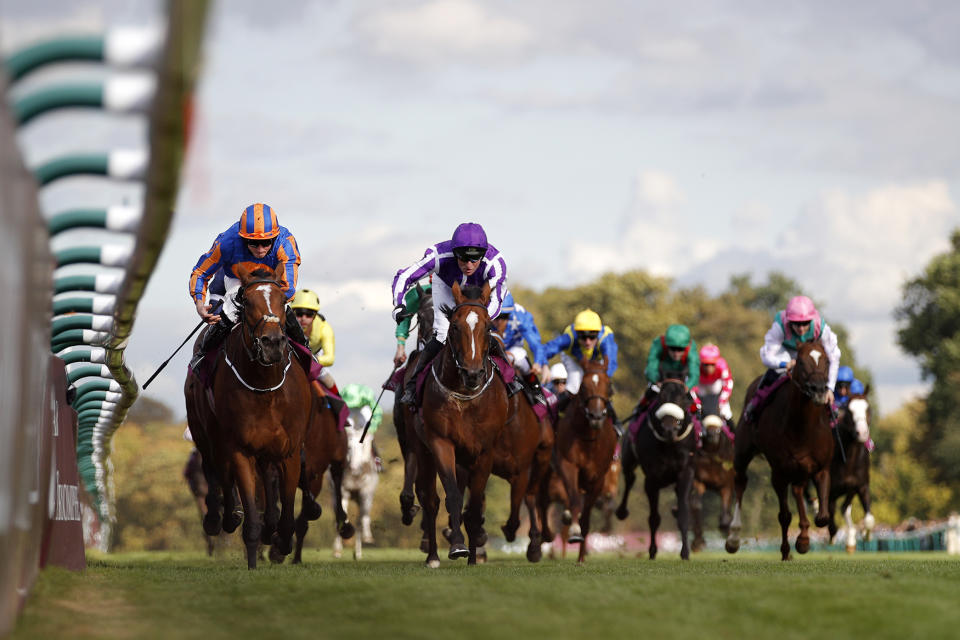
<point>411,304</point>
<point>257,239</point>
<point>516,324</point>
<point>467,258</point>
<point>306,306</point>
<point>715,378</point>
<point>558,379</point>
<point>672,355</point>
<point>363,399</point>
<point>586,338</point>
<point>844,381</point>
<point>798,323</point>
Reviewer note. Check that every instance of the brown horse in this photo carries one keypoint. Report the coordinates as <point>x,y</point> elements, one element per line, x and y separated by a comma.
<point>404,416</point>
<point>793,433</point>
<point>465,407</point>
<point>713,470</point>
<point>663,446</point>
<point>324,447</point>
<point>586,441</point>
<point>850,470</point>
<point>193,474</point>
<point>556,494</point>
<point>254,418</point>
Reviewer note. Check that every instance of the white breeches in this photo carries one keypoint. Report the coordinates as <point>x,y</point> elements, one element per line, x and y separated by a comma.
<point>574,373</point>
<point>442,297</point>
<point>230,308</point>
<point>518,358</point>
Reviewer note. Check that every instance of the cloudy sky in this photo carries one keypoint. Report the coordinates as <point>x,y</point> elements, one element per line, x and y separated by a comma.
<point>692,139</point>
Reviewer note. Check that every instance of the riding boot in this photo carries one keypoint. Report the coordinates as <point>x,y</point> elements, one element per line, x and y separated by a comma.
<point>613,418</point>
<point>293,329</point>
<point>211,339</point>
<point>768,379</point>
<point>537,389</point>
<point>514,386</point>
<point>644,402</point>
<point>429,352</point>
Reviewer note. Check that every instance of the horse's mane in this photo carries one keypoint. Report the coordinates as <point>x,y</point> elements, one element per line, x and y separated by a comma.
<point>672,390</point>
<point>262,272</point>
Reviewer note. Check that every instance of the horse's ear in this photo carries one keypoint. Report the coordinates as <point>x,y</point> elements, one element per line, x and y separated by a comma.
<point>866,390</point>
<point>242,272</point>
<point>457,294</point>
<point>485,294</point>
<point>278,273</point>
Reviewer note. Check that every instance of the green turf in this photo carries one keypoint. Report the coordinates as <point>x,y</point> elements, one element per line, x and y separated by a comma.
<point>391,595</point>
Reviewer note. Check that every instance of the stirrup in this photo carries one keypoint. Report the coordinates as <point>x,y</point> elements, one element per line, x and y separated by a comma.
<point>514,387</point>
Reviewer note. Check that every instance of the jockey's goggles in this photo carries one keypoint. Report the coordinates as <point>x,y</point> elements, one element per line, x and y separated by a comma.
<point>305,312</point>
<point>469,254</point>
<point>800,327</point>
<point>260,243</point>
<point>588,335</point>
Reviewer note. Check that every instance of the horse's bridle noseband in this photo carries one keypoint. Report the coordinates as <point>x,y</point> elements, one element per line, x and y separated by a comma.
<point>486,358</point>
<point>256,354</point>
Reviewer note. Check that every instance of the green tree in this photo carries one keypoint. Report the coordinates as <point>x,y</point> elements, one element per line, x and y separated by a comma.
<point>929,319</point>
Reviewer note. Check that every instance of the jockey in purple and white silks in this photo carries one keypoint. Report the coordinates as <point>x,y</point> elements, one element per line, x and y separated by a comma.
<point>468,259</point>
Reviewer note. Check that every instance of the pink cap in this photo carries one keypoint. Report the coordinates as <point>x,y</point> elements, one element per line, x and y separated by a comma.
<point>800,309</point>
<point>709,354</point>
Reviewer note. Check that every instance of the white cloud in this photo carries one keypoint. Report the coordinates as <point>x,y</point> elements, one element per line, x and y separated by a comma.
<point>434,31</point>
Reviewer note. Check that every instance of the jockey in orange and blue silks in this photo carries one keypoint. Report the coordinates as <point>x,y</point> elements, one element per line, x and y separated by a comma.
<point>257,239</point>
<point>468,259</point>
<point>519,325</point>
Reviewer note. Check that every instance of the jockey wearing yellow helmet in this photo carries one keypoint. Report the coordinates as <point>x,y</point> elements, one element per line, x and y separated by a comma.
<point>256,240</point>
<point>306,306</point>
<point>586,338</point>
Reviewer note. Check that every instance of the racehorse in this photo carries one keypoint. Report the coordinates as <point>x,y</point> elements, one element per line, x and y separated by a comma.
<point>850,469</point>
<point>324,447</point>
<point>713,469</point>
<point>193,474</point>
<point>464,408</point>
<point>663,445</point>
<point>404,416</point>
<point>556,494</point>
<point>585,444</point>
<point>360,480</point>
<point>793,433</point>
<point>254,419</point>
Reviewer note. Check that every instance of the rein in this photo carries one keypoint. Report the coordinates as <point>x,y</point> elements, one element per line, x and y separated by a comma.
<point>236,373</point>
<point>256,354</point>
<point>656,435</point>
<point>456,394</point>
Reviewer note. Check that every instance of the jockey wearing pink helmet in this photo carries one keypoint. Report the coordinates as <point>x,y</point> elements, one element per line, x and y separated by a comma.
<point>799,322</point>
<point>715,378</point>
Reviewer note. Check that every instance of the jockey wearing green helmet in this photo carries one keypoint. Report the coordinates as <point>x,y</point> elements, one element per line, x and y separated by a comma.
<point>674,355</point>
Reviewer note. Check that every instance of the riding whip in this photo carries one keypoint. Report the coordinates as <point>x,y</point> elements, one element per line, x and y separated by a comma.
<point>165,362</point>
<point>377,403</point>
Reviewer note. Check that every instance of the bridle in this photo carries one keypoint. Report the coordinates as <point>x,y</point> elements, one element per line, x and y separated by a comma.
<point>653,410</point>
<point>256,353</point>
<point>487,362</point>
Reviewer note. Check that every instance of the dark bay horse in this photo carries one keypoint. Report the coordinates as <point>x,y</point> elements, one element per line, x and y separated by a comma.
<point>254,417</point>
<point>464,408</point>
<point>850,470</point>
<point>793,433</point>
<point>404,416</point>
<point>713,469</point>
<point>324,447</point>
<point>585,443</point>
<point>663,447</point>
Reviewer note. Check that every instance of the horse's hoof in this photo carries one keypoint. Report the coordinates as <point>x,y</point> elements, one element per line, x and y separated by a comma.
<point>534,552</point>
<point>481,556</point>
<point>447,533</point>
<point>509,533</point>
<point>458,551</point>
<point>347,530</point>
<point>311,510</point>
<point>275,556</point>
<point>821,522</point>
<point>433,563</point>
<point>480,538</point>
<point>622,513</point>
<point>575,534</point>
<point>697,545</point>
<point>367,540</point>
<point>283,547</point>
<point>231,522</point>
<point>732,546</point>
<point>567,517</point>
<point>212,524</point>
<point>803,545</point>
<point>338,554</point>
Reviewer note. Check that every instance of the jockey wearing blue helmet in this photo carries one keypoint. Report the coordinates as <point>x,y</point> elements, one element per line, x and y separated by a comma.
<point>516,324</point>
<point>467,259</point>
<point>844,381</point>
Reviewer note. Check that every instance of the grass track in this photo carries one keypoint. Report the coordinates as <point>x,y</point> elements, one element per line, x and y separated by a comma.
<point>391,595</point>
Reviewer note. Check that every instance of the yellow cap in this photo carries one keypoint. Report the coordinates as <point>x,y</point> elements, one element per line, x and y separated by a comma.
<point>305,299</point>
<point>587,320</point>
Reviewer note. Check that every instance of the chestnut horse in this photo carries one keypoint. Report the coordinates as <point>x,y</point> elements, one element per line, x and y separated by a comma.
<point>663,446</point>
<point>324,447</point>
<point>850,470</point>
<point>713,469</point>
<point>254,418</point>
<point>464,408</point>
<point>556,494</point>
<point>793,433</point>
<point>586,441</point>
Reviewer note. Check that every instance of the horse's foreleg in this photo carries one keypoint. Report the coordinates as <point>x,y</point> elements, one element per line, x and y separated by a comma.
<point>783,515</point>
<point>589,500</point>
<point>741,461</point>
<point>696,514</point>
<point>629,470</point>
<point>848,520</point>
<point>518,489</point>
<point>832,525</point>
<point>684,488</point>
<point>408,508</point>
<point>479,475</point>
<point>289,469</point>
<point>868,520</point>
<point>344,527</point>
<point>534,550</point>
<point>212,517</point>
<point>726,513</point>
<point>271,489</point>
<point>822,479</point>
<point>247,484</point>
<point>446,462</point>
<point>803,538</point>
<point>570,473</point>
<point>653,521</point>
<point>430,501</point>
<point>366,508</point>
